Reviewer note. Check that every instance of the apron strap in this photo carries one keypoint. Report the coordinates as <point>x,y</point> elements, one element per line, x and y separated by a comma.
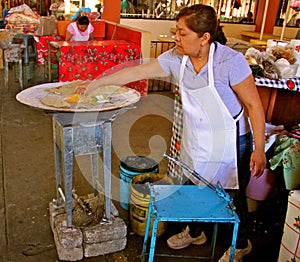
<point>182,67</point>
<point>211,81</point>
<point>239,114</point>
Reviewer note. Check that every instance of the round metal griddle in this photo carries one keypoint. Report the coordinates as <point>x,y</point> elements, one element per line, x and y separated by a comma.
<point>32,97</point>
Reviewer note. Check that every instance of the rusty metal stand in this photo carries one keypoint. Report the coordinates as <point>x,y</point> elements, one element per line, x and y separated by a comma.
<point>78,134</point>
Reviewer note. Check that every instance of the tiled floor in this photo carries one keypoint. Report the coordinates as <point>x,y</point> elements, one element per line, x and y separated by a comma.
<point>27,183</point>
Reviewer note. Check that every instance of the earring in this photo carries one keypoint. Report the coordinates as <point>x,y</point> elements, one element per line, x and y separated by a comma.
<point>200,53</point>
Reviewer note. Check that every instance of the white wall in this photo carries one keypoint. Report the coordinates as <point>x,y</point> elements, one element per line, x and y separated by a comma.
<point>156,27</point>
<point>234,30</point>
<point>162,27</point>
<point>91,4</point>
<point>288,32</point>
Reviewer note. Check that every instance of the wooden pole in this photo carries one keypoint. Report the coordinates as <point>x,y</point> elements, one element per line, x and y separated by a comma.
<point>285,19</point>
<point>264,20</point>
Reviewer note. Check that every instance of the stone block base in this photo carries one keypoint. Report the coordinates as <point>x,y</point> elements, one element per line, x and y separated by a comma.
<point>74,243</point>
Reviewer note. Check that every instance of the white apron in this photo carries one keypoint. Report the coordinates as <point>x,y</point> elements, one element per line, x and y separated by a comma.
<point>209,131</point>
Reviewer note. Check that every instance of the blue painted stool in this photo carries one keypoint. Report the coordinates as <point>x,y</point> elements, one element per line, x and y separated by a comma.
<point>30,46</point>
<point>173,203</point>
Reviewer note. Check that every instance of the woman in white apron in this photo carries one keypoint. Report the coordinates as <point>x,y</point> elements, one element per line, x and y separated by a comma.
<point>214,82</point>
<point>81,30</point>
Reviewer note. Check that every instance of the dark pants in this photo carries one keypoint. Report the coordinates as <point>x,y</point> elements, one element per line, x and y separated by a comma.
<point>239,196</point>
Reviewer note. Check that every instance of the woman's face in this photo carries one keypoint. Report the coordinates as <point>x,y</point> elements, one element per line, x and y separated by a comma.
<point>187,41</point>
<point>82,28</point>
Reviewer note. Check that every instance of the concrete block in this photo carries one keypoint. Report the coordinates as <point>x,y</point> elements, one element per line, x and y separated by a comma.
<point>72,244</point>
<point>67,254</point>
<point>102,248</point>
<point>55,210</point>
<point>105,231</point>
<point>68,237</point>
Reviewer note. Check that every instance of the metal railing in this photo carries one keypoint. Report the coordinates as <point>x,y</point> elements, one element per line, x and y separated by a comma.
<point>166,83</point>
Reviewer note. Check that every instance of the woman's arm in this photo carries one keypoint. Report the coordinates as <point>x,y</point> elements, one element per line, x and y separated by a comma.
<point>91,37</point>
<point>124,76</point>
<point>249,96</point>
<point>68,36</point>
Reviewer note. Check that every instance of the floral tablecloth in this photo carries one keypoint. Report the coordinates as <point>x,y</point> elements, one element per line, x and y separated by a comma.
<point>290,242</point>
<point>42,48</point>
<point>92,59</point>
<point>287,155</point>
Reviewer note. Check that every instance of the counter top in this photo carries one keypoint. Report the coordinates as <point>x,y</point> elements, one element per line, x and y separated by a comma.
<point>246,35</point>
<point>284,83</point>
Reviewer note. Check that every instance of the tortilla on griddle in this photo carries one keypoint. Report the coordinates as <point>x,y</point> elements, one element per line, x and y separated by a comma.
<point>108,90</point>
<point>55,101</point>
<point>66,89</point>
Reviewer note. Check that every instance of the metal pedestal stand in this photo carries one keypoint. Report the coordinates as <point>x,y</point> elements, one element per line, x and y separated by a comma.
<point>78,134</point>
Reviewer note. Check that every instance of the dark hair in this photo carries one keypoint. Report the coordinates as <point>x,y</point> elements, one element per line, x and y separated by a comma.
<point>83,20</point>
<point>200,19</point>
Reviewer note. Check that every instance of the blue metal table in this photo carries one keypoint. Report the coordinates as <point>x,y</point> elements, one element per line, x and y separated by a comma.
<point>187,203</point>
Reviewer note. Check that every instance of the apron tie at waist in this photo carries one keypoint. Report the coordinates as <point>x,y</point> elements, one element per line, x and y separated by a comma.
<point>239,113</point>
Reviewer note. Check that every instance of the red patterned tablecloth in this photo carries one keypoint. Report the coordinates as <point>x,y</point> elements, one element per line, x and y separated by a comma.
<point>42,48</point>
<point>92,59</point>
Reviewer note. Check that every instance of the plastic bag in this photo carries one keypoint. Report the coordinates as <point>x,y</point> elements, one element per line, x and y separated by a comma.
<point>295,4</point>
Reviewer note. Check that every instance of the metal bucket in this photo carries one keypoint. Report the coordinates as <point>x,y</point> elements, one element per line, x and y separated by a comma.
<point>130,167</point>
<point>139,202</point>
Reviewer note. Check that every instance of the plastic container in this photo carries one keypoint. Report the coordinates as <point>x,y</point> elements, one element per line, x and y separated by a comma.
<point>287,71</point>
<point>262,188</point>
<point>130,167</point>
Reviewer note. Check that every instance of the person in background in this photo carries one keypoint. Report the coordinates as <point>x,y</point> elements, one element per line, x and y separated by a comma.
<point>80,30</point>
<point>215,86</point>
<point>248,19</point>
<point>125,8</point>
<point>4,12</point>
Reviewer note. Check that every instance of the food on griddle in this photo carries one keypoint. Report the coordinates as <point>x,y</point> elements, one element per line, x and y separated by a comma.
<point>55,101</point>
<point>108,90</point>
<point>65,89</point>
<point>73,99</point>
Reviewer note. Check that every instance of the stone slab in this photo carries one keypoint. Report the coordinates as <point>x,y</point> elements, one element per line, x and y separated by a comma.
<point>105,231</point>
<point>67,254</point>
<point>102,248</point>
<point>74,243</point>
<point>69,237</point>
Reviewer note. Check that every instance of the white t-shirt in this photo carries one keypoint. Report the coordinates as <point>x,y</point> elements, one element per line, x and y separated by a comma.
<point>78,35</point>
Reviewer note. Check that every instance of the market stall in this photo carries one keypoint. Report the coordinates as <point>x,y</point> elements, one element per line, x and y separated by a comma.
<point>23,18</point>
<point>280,99</point>
<point>278,82</point>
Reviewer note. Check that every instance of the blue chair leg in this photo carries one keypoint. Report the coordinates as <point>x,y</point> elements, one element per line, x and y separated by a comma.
<point>146,236</point>
<point>214,240</point>
<point>153,240</point>
<point>233,244</point>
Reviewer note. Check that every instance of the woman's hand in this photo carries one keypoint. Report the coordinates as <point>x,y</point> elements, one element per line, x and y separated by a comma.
<point>258,163</point>
<point>82,89</point>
